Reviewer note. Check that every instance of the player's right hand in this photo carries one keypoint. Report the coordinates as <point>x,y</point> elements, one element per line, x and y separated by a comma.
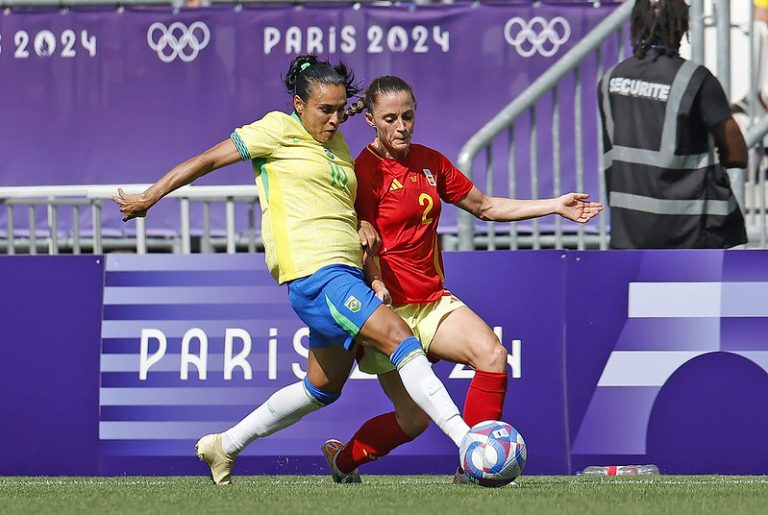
<point>369,238</point>
<point>381,292</point>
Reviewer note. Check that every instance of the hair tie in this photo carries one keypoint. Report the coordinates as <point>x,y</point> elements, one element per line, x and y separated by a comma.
<point>304,66</point>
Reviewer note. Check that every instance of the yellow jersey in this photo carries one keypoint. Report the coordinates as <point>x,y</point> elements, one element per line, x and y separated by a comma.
<point>307,194</point>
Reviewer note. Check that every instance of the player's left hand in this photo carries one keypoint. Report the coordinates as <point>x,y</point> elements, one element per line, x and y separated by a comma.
<point>369,238</point>
<point>576,207</point>
<point>132,205</point>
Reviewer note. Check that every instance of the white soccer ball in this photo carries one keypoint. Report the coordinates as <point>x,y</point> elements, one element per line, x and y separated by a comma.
<point>493,453</point>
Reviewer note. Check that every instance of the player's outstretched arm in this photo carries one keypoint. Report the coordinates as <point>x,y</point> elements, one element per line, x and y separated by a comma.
<point>573,206</point>
<point>134,205</point>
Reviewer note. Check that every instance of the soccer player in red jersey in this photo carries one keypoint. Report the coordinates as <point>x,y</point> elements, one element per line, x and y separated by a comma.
<point>400,189</point>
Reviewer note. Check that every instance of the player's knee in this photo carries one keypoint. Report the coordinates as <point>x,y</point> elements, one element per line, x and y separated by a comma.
<point>320,396</point>
<point>491,356</point>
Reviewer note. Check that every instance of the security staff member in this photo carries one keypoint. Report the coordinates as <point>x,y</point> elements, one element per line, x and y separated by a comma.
<point>665,120</point>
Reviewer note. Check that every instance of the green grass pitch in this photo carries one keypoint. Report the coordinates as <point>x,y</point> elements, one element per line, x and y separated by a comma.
<point>317,495</point>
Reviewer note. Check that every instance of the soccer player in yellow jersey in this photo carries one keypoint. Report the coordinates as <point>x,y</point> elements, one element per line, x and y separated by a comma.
<point>314,244</point>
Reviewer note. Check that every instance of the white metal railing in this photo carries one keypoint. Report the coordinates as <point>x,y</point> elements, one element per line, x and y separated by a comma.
<point>501,130</point>
<point>95,198</point>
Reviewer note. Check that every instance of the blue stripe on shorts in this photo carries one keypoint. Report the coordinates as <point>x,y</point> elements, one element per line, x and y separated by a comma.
<point>334,302</point>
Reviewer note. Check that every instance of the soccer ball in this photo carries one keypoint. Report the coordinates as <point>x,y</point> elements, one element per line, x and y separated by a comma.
<point>493,453</point>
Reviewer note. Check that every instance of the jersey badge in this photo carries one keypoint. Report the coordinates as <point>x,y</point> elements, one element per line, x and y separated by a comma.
<point>353,304</point>
<point>396,185</point>
<point>429,176</point>
<point>329,153</point>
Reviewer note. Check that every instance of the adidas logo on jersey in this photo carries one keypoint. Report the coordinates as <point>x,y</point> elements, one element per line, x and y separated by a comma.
<point>396,185</point>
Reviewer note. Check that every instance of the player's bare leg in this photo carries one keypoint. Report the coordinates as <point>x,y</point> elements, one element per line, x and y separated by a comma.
<point>463,337</point>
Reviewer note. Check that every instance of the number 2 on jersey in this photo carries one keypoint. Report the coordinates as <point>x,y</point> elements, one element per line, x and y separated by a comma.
<point>427,203</point>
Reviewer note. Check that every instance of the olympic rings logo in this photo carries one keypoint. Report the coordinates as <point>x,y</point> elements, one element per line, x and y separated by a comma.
<point>537,35</point>
<point>178,40</point>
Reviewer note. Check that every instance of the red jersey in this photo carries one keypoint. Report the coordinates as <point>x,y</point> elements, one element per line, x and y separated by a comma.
<point>402,200</point>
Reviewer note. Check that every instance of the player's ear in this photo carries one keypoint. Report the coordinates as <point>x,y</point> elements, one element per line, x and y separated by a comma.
<point>298,105</point>
<point>369,119</point>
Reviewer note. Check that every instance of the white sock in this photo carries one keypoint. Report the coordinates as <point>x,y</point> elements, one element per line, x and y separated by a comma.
<point>284,407</point>
<point>430,394</point>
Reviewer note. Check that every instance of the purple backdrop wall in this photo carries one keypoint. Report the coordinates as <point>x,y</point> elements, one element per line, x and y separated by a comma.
<point>616,357</point>
<point>97,96</point>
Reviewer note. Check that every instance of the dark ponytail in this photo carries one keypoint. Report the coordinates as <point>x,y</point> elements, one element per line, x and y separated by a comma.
<point>306,70</point>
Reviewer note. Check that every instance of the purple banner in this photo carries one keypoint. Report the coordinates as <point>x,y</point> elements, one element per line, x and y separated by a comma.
<point>120,96</point>
<point>616,357</point>
<point>191,344</point>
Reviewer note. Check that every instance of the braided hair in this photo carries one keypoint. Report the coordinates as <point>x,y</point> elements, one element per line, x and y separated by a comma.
<point>380,86</point>
<point>306,70</point>
<point>659,24</point>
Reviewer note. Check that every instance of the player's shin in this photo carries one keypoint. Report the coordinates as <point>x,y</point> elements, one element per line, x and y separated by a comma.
<point>283,408</point>
<point>485,397</point>
<point>427,390</point>
<point>375,438</point>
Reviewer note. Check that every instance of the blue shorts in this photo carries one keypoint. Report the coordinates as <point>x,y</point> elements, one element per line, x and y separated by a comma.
<point>334,302</point>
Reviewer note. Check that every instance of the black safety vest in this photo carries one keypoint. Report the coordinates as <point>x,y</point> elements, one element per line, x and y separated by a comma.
<point>666,188</point>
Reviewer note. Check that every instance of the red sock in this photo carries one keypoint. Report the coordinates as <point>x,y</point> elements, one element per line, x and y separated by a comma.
<point>374,439</point>
<point>485,397</point>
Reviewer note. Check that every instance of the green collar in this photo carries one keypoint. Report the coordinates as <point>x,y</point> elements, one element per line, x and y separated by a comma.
<point>296,117</point>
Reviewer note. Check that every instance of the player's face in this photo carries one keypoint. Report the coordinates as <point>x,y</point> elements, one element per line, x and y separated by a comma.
<point>322,113</point>
<point>394,117</point>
